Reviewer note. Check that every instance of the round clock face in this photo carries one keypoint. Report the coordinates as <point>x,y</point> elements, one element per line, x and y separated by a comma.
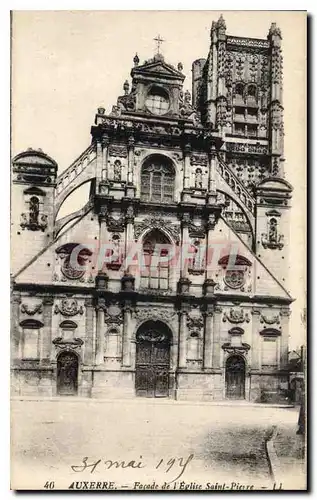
<point>157,103</point>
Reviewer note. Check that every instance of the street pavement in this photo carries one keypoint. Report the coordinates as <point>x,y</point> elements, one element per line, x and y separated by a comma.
<point>141,444</point>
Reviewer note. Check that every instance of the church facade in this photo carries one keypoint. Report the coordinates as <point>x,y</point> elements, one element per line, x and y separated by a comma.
<point>171,281</point>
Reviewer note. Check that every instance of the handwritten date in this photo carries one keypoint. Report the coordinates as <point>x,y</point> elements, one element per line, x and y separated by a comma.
<point>177,465</point>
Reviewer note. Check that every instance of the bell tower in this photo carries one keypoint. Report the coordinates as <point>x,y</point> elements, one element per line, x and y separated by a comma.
<point>33,183</point>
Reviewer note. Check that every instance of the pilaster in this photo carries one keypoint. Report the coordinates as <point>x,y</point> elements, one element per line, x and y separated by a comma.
<point>46,351</point>
<point>15,332</point>
<point>100,330</point>
<point>89,331</point>
<point>127,334</point>
<point>208,344</point>
<point>216,339</point>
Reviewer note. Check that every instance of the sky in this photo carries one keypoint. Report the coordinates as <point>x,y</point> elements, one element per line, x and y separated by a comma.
<point>65,64</point>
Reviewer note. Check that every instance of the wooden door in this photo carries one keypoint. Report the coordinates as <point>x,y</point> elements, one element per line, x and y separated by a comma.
<point>235,378</point>
<point>67,374</point>
<point>152,365</point>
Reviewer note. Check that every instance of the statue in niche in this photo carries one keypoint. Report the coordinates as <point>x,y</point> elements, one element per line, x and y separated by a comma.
<point>273,231</point>
<point>117,170</point>
<point>198,179</point>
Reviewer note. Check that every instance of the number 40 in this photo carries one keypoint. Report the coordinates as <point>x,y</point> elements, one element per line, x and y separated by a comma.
<point>49,485</point>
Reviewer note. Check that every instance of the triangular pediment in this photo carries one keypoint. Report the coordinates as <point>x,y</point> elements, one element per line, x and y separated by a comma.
<point>157,68</point>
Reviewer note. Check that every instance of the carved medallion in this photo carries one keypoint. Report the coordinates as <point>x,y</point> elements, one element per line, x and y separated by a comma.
<point>236,316</point>
<point>68,307</point>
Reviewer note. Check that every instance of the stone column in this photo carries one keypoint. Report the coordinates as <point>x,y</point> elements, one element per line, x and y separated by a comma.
<point>127,334</point>
<point>129,232</point>
<point>130,160</point>
<point>208,344</point>
<point>100,331</point>
<point>184,245</point>
<point>46,341</point>
<point>187,151</point>
<point>212,161</point>
<point>105,145</point>
<point>284,315</point>
<point>216,340</point>
<point>182,343</point>
<point>256,339</point>
<point>89,327</point>
<point>15,328</point>
<point>210,226</point>
<point>98,161</point>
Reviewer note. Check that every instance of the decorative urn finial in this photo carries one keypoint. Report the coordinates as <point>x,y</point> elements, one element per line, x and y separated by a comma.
<point>180,66</point>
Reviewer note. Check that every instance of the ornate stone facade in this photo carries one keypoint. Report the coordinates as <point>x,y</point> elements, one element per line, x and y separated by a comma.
<point>136,294</point>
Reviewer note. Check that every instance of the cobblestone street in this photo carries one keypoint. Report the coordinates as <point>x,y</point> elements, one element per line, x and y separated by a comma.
<point>210,444</point>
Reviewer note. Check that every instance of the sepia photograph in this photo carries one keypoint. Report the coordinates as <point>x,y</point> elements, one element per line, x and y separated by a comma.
<point>158,250</point>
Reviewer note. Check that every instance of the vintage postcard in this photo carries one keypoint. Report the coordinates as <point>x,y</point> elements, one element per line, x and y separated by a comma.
<point>158,222</point>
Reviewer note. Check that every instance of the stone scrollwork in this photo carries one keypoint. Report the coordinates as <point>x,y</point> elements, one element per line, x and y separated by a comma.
<point>270,320</point>
<point>154,314</point>
<point>31,311</point>
<point>118,150</point>
<point>155,223</point>
<point>195,323</point>
<point>236,316</point>
<point>113,314</point>
<point>68,307</point>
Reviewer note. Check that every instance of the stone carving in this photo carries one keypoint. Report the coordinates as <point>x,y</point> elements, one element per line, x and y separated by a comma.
<point>236,316</point>
<point>247,148</point>
<point>234,278</point>
<point>117,170</point>
<point>196,231</point>
<point>69,344</point>
<point>272,239</point>
<point>197,264</point>
<point>31,311</point>
<point>156,223</point>
<point>119,151</point>
<point>198,179</point>
<point>32,223</point>
<point>247,42</point>
<point>113,315</point>
<point>199,159</point>
<point>270,321</point>
<point>68,307</point>
<point>230,349</point>
<point>194,323</point>
<point>154,314</point>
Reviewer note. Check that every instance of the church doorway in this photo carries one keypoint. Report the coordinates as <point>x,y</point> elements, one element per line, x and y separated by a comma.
<point>153,342</point>
<point>67,374</point>
<point>235,377</point>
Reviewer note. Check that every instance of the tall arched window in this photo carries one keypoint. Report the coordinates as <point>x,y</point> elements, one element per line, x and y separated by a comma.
<point>157,179</point>
<point>155,269</point>
<point>252,92</point>
<point>239,90</point>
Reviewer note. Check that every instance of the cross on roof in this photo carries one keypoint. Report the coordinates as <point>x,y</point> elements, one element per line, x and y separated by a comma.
<point>158,41</point>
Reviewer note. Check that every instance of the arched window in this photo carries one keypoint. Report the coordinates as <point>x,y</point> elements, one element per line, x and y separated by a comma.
<point>252,91</point>
<point>239,90</point>
<point>157,179</point>
<point>155,269</point>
